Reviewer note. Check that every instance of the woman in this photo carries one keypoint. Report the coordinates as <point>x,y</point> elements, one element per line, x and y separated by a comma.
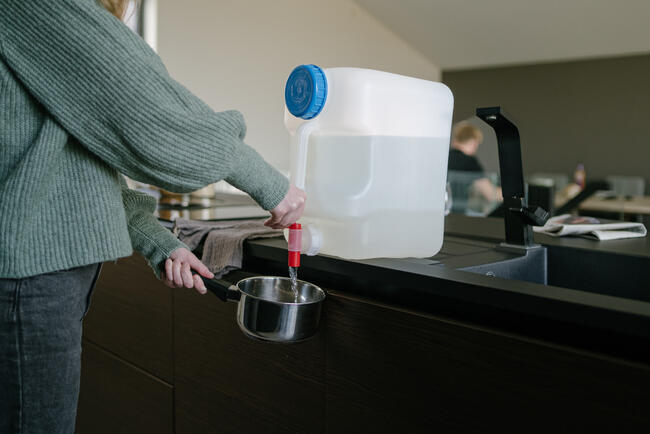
<point>82,101</point>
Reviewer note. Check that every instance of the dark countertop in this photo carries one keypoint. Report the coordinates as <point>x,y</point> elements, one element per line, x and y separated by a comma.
<point>617,325</point>
<point>610,324</point>
<point>492,229</point>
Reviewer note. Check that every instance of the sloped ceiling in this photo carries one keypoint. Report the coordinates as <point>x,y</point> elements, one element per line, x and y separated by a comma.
<point>465,34</point>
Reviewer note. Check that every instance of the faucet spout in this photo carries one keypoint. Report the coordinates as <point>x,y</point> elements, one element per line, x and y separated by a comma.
<point>519,218</point>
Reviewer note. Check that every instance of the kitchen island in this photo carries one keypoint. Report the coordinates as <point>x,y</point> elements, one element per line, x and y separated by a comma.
<point>404,346</point>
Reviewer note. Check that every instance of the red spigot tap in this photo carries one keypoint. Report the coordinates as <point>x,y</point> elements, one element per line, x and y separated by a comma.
<point>295,241</point>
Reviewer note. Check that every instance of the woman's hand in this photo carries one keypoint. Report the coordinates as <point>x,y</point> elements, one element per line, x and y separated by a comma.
<point>178,271</point>
<point>289,210</point>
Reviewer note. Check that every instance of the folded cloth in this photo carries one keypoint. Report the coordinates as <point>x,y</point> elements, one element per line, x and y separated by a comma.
<point>589,227</point>
<point>221,242</point>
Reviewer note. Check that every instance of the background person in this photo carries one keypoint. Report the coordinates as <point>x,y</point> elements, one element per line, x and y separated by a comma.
<point>465,142</point>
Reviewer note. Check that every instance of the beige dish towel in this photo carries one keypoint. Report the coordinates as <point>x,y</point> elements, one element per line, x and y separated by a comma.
<point>221,243</point>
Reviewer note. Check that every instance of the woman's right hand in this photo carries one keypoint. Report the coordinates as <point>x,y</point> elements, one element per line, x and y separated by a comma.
<point>289,210</point>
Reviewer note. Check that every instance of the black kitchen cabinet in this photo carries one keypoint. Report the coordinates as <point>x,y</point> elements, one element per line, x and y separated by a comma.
<point>373,367</point>
<point>228,383</point>
<point>393,370</point>
<point>117,397</point>
<point>131,316</point>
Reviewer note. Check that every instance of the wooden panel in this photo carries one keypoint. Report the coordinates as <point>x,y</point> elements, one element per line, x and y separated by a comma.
<point>131,316</point>
<point>228,383</point>
<point>119,398</point>
<point>389,371</point>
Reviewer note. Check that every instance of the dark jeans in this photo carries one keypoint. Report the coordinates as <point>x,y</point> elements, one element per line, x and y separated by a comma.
<point>40,349</point>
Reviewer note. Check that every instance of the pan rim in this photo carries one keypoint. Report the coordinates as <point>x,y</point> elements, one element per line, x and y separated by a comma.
<point>247,294</point>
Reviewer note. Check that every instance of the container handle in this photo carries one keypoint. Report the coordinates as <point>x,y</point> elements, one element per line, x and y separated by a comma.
<point>300,165</point>
<point>223,289</point>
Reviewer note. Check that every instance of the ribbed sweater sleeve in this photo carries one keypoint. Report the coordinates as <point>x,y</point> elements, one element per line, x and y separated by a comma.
<point>148,236</point>
<point>108,89</point>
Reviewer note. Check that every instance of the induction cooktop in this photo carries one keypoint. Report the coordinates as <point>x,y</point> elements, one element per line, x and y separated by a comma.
<point>221,206</point>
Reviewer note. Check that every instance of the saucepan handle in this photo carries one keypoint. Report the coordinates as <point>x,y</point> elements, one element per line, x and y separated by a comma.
<point>222,289</point>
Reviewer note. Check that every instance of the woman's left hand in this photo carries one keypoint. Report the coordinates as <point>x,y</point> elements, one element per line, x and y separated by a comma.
<point>178,271</point>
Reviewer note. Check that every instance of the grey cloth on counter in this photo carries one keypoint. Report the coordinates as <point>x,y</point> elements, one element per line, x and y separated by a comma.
<point>221,242</point>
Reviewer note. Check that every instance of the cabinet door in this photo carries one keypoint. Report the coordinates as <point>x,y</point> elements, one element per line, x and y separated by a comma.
<point>131,316</point>
<point>390,370</point>
<point>228,383</point>
<point>117,397</point>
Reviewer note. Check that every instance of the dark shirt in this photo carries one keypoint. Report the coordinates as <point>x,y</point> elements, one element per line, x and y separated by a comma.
<point>462,162</point>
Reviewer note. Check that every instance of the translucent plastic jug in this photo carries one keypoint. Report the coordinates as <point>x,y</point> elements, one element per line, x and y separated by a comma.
<point>370,149</point>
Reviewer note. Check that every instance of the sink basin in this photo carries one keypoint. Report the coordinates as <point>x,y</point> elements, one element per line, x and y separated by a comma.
<point>624,276</point>
<point>528,265</point>
<point>599,272</point>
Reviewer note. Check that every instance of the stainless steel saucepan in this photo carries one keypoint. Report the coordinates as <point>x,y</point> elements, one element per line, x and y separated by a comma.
<point>269,309</point>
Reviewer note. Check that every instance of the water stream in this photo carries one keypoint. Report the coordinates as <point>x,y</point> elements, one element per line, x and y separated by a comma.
<point>293,275</point>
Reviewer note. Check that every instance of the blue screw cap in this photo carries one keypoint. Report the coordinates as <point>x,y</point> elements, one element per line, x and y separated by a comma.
<point>306,91</point>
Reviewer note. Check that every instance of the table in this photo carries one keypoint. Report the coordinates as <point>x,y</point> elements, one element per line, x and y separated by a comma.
<point>623,206</point>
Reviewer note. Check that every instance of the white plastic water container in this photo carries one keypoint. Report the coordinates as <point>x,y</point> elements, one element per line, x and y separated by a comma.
<point>370,149</point>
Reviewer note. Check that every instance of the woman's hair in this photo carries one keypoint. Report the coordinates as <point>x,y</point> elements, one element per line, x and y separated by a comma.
<point>115,7</point>
<point>464,132</point>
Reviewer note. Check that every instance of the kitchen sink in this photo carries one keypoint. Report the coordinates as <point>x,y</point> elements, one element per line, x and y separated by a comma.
<point>586,270</point>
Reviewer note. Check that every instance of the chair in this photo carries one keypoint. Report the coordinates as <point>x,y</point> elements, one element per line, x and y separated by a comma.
<point>549,179</point>
<point>626,185</point>
<point>464,198</point>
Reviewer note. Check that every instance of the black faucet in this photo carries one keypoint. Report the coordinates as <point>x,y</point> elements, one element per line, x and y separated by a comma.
<point>519,217</point>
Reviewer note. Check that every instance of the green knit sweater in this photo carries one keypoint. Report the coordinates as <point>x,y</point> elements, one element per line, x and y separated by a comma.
<point>82,101</point>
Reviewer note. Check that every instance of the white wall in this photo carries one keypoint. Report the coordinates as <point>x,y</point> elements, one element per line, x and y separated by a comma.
<point>238,54</point>
<point>462,34</point>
